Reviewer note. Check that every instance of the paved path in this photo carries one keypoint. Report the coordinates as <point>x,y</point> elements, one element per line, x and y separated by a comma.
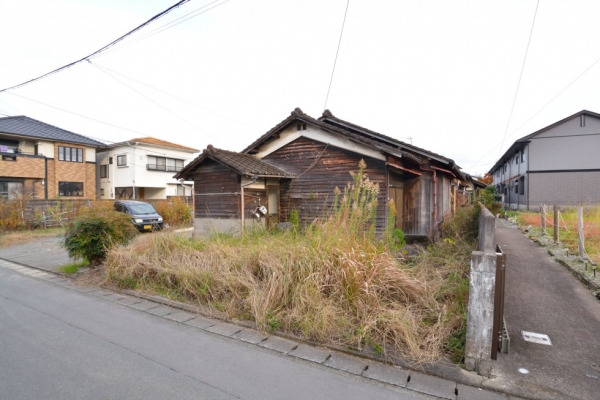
<point>59,340</point>
<point>541,296</point>
<point>45,254</point>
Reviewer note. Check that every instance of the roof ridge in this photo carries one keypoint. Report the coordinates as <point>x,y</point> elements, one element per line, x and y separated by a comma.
<point>45,124</point>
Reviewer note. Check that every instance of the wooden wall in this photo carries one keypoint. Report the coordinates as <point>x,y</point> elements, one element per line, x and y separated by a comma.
<point>318,170</point>
<point>209,180</point>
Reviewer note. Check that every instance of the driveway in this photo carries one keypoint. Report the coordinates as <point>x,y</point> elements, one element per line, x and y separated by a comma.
<point>542,297</point>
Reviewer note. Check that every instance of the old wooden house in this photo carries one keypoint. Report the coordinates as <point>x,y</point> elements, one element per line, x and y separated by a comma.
<point>298,164</point>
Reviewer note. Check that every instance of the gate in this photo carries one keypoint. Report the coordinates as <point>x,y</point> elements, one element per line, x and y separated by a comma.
<point>498,342</point>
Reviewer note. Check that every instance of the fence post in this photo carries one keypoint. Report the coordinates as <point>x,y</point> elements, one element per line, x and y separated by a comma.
<point>556,227</point>
<point>543,220</point>
<point>580,231</point>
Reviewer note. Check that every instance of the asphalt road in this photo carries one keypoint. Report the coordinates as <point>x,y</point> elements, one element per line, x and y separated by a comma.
<point>56,343</point>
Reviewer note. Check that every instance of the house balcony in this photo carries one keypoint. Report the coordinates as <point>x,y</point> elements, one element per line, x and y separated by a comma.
<point>162,167</point>
<point>22,165</point>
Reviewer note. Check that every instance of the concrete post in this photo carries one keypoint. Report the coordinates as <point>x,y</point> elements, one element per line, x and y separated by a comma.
<point>487,229</point>
<point>480,319</point>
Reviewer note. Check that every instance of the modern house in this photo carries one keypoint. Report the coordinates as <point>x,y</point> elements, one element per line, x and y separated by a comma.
<point>558,164</point>
<point>298,164</point>
<point>41,161</point>
<point>143,168</point>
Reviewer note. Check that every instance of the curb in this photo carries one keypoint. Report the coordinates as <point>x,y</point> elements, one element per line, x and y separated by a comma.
<point>443,380</point>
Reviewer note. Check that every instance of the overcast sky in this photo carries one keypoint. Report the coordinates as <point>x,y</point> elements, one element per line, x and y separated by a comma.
<point>442,74</point>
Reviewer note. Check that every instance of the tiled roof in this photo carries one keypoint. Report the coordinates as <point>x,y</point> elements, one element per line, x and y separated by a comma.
<point>244,164</point>
<point>377,141</point>
<point>158,142</point>
<point>25,126</point>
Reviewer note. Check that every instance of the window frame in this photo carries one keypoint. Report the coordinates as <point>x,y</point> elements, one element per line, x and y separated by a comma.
<point>62,184</point>
<point>122,157</point>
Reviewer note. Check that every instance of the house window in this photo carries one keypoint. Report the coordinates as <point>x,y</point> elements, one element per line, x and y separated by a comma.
<point>122,160</point>
<point>70,189</point>
<point>10,190</point>
<point>522,185</point>
<point>71,154</point>
<point>523,155</point>
<point>110,160</point>
<point>104,171</point>
<point>164,164</point>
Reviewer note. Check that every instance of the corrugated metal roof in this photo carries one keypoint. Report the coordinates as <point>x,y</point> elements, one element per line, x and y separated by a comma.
<point>25,126</point>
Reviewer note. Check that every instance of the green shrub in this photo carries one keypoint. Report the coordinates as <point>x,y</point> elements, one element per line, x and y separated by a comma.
<point>91,235</point>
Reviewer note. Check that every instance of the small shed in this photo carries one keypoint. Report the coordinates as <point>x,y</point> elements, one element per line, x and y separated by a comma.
<point>231,188</point>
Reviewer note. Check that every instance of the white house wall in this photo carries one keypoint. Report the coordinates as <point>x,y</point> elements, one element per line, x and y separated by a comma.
<point>292,133</point>
<point>156,184</point>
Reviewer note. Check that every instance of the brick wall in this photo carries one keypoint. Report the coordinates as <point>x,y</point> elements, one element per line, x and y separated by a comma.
<point>23,167</point>
<point>68,171</point>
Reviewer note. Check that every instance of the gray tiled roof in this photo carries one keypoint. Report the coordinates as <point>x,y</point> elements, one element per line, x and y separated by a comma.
<point>25,126</point>
<point>244,164</point>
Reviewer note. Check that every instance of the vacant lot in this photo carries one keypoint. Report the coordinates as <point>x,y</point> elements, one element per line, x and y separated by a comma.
<point>568,228</point>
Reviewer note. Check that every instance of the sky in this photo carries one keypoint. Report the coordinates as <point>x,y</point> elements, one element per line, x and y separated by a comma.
<point>460,78</point>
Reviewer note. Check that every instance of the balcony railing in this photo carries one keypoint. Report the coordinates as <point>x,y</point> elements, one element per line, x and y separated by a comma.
<point>166,168</point>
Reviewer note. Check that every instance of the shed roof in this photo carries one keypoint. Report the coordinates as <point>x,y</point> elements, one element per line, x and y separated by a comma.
<point>244,164</point>
<point>29,127</point>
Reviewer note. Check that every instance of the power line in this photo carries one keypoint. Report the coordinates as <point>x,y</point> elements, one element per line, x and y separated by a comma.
<point>173,23</point>
<point>173,96</point>
<point>190,15</point>
<point>109,142</point>
<point>79,115</point>
<point>512,108</point>
<point>336,54</point>
<point>95,53</point>
<point>558,94</point>
<point>150,100</point>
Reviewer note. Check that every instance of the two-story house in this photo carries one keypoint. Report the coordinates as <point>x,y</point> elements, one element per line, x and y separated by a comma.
<point>558,164</point>
<point>143,168</point>
<point>41,161</point>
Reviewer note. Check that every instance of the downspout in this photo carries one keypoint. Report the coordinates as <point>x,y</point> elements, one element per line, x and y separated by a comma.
<point>46,178</point>
<point>434,198</point>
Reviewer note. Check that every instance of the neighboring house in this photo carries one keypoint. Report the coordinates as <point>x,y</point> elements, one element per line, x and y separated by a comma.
<point>298,164</point>
<point>143,168</point>
<point>559,164</point>
<point>42,161</point>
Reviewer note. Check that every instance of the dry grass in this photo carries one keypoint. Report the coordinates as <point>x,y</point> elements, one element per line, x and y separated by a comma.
<point>331,290</point>
<point>13,238</point>
<point>568,228</point>
<point>334,283</point>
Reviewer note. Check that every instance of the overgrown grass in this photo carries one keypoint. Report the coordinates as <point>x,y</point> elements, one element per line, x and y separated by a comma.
<point>12,238</point>
<point>72,268</point>
<point>568,228</point>
<point>333,283</point>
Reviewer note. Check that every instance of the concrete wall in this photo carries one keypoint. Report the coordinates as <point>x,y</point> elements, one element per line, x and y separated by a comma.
<point>204,227</point>
<point>480,319</point>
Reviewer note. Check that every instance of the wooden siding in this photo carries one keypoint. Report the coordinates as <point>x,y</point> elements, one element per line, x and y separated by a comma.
<point>320,168</point>
<point>214,184</point>
<point>251,201</point>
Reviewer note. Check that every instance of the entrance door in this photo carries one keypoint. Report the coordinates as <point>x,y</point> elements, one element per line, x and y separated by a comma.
<point>397,194</point>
